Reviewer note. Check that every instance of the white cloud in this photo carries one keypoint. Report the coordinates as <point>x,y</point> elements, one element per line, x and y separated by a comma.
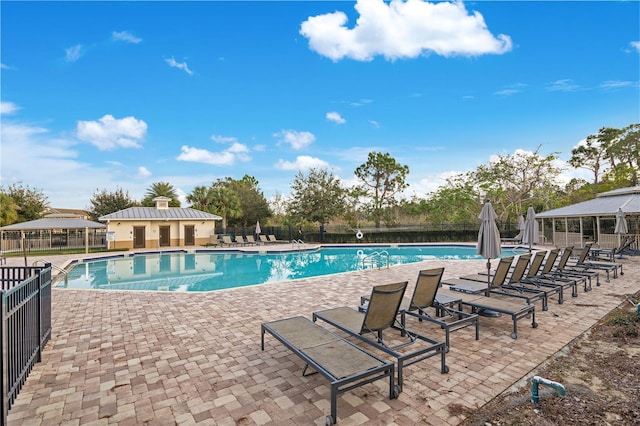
<point>224,139</point>
<point>110,133</point>
<point>235,152</point>
<point>564,85</point>
<point>635,45</point>
<point>241,151</point>
<point>402,29</point>
<point>74,53</point>
<point>374,123</point>
<point>4,66</point>
<point>361,102</point>
<point>302,163</point>
<point>125,36</point>
<point>180,65</point>
<point>616,84</point>
<point>335,117</point>
<point>511,89</point>
<point>143,172</point>
<point>198,155</point>
<point>8,108</point>
<point>53,165</point>
<point>297,140</point>
<point>428,182</point>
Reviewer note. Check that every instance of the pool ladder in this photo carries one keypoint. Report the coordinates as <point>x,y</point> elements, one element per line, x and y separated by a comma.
<point>57,268</point>
<point>297,243</point>
<point>376,259</point>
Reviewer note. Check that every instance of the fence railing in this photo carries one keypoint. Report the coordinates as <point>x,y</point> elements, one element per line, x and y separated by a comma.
<point>43,240</point>
<point>25,327</point>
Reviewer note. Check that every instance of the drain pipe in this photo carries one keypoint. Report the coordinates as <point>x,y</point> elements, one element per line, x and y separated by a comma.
<point>536,380</point>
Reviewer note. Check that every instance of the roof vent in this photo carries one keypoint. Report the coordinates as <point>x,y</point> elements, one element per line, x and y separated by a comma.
<point>162,203</point>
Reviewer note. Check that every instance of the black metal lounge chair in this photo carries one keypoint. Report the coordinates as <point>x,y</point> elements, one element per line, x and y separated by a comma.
<point>515,240</point>
<point>381,315</point>
<point>525,283</point>
<point>535,278</point>
<point>481,304</point>
<point>226,240</point>
<point>610,255</point>
<point>264,239</point>
<point>345,365</point>
<point>425,296</point>
<point>549,272</point>
<point>584,262</point>
<point>502,283</point>
<point>564,268</point>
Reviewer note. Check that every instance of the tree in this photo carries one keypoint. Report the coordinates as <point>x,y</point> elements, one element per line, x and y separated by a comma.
<point>590,156</point>
<point>513,182</point>
<point>8,210</point>
<point>382,179</point>
<point>317,196</point>
<point>457,201</point>
<point>224,202</point>
<point>161,189</point>
<point>201,198</point>
<point>623,154</point>
<point>31,202</point>
<point>253,204</point>
<point>104,202</point>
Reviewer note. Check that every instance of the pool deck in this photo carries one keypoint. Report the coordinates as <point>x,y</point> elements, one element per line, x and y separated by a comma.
<point>162,358</point>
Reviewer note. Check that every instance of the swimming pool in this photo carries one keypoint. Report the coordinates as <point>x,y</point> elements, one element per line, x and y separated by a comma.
<point>204,270</point>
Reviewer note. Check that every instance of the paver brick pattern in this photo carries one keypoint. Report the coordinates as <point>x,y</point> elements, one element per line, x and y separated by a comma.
<point>161,358</point>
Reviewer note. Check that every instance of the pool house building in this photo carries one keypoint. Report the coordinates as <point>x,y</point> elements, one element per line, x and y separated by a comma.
<point>159,226</point>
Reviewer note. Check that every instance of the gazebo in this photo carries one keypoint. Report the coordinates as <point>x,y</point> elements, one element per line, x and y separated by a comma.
<point>54,231</point>
<point>593,220</point>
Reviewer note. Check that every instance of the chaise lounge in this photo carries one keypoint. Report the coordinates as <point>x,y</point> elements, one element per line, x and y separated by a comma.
<point>425,297</point>
<point>343,364</point>
<point>501,283</point>
<point>381,315</point>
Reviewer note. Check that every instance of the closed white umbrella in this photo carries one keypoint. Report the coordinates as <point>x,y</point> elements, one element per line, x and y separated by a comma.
<point>489,246</point>
<point>531,229</point>
<point>621,223</point>
<point>621,227</point>
<point>258,230</point>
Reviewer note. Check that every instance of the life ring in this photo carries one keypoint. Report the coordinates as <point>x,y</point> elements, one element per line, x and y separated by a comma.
<point>359,234</point>
<point>360,253</point>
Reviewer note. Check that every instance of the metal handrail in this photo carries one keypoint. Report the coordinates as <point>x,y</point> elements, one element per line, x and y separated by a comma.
<point>64,272</point>
<point>376,258</point>
<point>297,243</point>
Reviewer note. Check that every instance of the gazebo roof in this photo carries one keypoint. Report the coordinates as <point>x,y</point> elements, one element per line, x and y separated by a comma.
<point>605,204</point>
<point>54,223</point>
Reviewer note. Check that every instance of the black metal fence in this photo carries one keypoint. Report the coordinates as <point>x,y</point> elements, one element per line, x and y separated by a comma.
<point>426,233</point>
<point>25,327</point>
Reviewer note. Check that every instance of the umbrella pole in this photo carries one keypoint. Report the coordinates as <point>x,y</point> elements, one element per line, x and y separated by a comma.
<point>488,277</point>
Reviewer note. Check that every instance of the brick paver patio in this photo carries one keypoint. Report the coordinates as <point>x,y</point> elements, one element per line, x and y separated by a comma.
<point>156,358</point>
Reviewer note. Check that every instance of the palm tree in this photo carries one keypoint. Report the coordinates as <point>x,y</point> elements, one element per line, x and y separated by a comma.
<point>161,189</point>
<point>200,198</point>
<point>225,203</point>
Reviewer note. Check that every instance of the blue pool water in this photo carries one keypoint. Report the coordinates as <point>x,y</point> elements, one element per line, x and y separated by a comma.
<point>215,270</point>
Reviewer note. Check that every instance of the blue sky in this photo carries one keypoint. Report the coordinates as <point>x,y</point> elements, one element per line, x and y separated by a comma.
<point>107,95</point>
